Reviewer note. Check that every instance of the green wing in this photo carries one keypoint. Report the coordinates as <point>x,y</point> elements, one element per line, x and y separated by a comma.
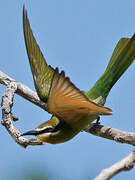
<point>42,73</point>
<point>122,57</point>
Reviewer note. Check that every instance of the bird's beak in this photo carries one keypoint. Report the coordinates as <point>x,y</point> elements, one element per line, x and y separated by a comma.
<point>33,132</point>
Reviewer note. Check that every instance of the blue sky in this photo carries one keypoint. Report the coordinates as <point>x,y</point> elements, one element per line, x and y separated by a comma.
<point>78,37</point>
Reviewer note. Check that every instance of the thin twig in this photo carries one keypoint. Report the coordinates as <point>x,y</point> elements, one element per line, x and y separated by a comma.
<point>125,164</point>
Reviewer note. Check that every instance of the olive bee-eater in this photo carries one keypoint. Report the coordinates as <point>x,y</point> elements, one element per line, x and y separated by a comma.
<point>72,110</point>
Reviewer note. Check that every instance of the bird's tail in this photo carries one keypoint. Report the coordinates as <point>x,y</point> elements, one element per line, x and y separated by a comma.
<point>122,57</point>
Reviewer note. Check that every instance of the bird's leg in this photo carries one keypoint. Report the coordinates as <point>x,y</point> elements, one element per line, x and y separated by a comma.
<point>98,121</point>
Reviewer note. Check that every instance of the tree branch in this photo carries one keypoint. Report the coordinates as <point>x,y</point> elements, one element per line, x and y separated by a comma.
<point>22,90</point>
<point>125,164</point>
<point>7,117</point>
<point>28,94</point>
<point>111,133</point>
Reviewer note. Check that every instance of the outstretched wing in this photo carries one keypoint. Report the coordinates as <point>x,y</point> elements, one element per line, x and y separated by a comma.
<point>67,102</point>
<point>42,73</point>
<point>123,56</point>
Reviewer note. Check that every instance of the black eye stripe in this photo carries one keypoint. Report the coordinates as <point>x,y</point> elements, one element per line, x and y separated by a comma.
<point>51,129</point>
<point>46,130</point>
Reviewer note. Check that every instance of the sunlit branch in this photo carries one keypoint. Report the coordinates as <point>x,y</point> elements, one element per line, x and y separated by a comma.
<point>8,118</point>
<point>124,165</point>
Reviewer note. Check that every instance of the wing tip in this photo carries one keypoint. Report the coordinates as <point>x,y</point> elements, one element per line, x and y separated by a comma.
<point>24,11</point>
<point>25,16</point>
<point>107,111</point>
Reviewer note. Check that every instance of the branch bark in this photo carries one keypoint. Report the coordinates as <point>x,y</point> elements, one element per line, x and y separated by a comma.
<point>8,118</point>
<point>111,133</point>
<point>28,94</point>
<point>125,164</point>
<point>22,90</point>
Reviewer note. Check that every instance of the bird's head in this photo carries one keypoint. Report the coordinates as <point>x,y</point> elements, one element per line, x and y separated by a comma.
<point>54,131</point>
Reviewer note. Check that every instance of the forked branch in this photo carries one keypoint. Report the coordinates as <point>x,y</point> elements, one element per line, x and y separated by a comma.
<point>8,118</point>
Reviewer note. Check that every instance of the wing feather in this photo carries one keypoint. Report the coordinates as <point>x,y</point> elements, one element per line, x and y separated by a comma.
<point>42,73</point>
<point>67,102</point>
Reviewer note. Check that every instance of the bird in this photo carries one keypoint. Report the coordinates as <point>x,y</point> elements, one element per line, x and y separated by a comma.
<point>72,109</point>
